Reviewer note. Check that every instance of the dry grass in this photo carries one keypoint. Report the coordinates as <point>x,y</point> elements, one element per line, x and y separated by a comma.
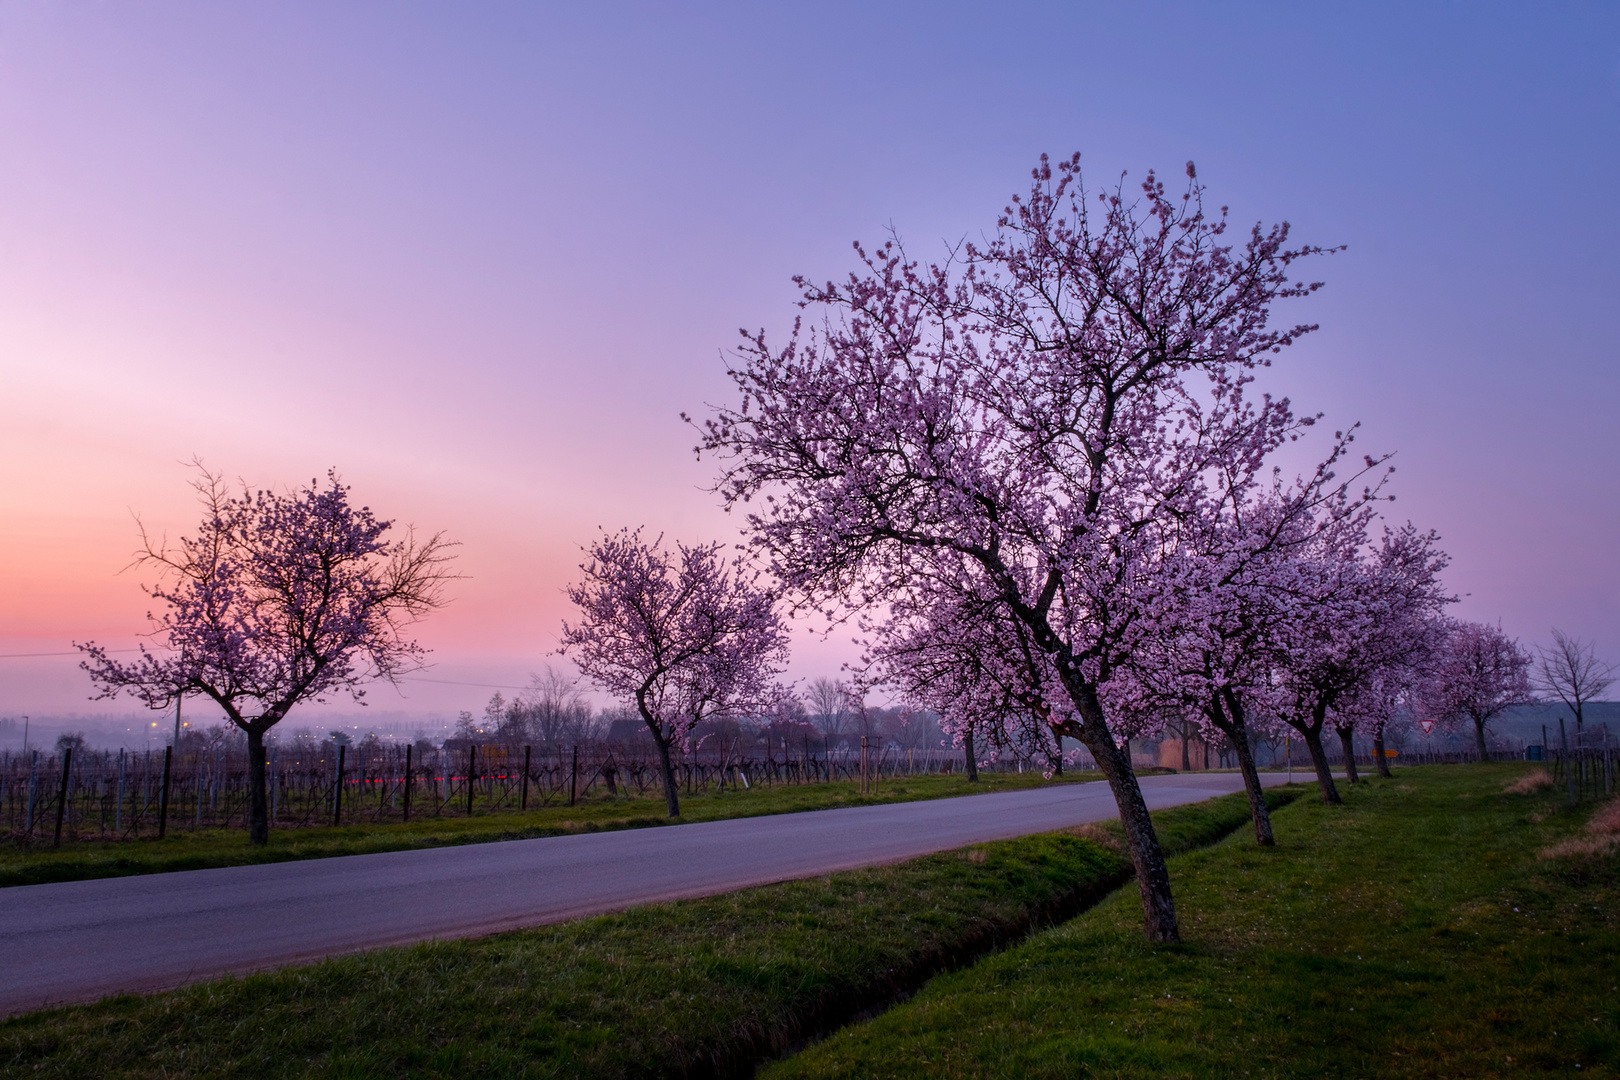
<point>1530,783</point>
<point>1602,836</point>
<point>1607,819</point>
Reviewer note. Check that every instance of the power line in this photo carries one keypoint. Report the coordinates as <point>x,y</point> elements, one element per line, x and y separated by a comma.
<point>410,678</point>
<point>21,655</point>
<point>457,682</point>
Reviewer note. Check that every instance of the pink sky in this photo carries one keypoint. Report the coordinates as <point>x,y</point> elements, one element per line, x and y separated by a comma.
<point>481,264</point>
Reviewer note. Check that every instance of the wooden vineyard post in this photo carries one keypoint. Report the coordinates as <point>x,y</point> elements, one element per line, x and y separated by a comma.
<point>118,803</point>
<point>1569,773</point>
<point>408,749</point>
<point>62,794</point>
<point>472,766</point>
<point>573,777</point>
<point>524,803</point>
<point>863,764</point>
<point>163,801</point>
<point>1608,768</point>
<point>337,790</point>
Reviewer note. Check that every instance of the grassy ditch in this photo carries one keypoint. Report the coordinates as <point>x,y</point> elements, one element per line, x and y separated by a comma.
<point>207,848</point>
<point>1454,921</point>
<point>700,988</point>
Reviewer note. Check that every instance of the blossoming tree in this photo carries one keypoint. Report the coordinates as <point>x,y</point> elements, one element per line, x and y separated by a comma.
<point>1027,423</point>
<point>278,599</point>
<point>686,635</point>
<point>1479,672</point>
<point>1357,611</point>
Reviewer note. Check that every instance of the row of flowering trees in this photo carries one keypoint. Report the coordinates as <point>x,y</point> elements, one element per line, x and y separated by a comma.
<point>1039,472</point>
<point>1038,466</point>
<point>1037,475</point>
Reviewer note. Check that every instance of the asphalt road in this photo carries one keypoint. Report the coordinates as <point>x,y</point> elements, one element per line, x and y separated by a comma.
<point>82,940</point>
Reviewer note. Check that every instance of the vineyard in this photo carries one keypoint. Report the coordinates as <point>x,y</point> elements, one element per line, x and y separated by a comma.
<point>106,795</point>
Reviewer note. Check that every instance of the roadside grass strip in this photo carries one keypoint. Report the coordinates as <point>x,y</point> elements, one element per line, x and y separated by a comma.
<point>1456,921</point>
<point>698,988</point>
<point>38,864</point>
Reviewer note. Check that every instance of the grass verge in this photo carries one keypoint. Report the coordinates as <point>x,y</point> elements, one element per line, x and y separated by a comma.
<point>699,988</point>
<point>1440,924</point>
<point>207,848</point>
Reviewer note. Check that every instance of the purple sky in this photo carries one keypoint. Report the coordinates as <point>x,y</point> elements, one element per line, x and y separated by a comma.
<point>479,257</point>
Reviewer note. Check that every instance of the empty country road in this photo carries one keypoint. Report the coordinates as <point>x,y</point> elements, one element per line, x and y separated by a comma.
<point>81,940</point>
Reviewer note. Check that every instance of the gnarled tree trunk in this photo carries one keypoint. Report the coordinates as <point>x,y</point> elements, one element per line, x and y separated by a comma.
<point>258,793</point>
<point>1347,740</point>
<point>1379,757</point>
<point>967,748</point>
<point>1234,726</point>
<point>1256,793</point>
<point>1152,877</point>
<point>672,789</point>
<point>1324,775</point>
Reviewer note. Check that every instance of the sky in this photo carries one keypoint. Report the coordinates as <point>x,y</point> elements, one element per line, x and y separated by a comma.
<point>480,257</point>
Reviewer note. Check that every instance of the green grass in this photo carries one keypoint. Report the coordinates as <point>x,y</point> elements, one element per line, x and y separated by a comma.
<point>1414,932</point>
<point>701,988</point>
<point>206,848</point>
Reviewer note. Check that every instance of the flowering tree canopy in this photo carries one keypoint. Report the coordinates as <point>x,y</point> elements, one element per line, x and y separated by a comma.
<point>962,657</point>
<point>278,599</point>
<point>1357,613</point>
<point>685,635</point>
<point>1479,671</point>
<point>1213,662</point>
<point>1027,424</point>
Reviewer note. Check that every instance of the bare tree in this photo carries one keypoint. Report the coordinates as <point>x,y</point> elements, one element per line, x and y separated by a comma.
<point>1570,670</point>
<point>829,707</point>
<point>912,728</point>
<point>553,708</point>
<point>863,720</point>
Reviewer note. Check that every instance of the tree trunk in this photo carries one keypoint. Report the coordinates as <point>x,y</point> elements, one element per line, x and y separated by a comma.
<point>1479,738</point>
<point>1251,784</point>
<point>967,747</point>
<point>1324,775</point>
<point>1347,739</point>
<point>1379,758</point>
<point>1152,877</point>
<point>672,795</point>
<point>1232,724</point>
<point>258,794</point>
